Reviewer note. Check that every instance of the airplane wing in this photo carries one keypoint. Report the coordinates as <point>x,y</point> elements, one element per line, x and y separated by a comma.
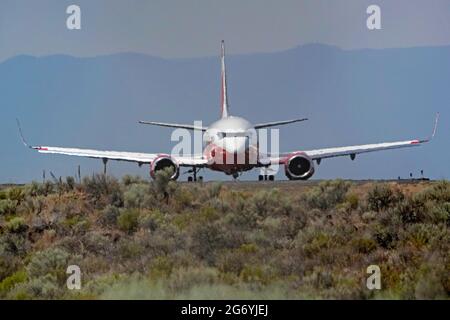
<point>140,158</point>
<point>319,154</point>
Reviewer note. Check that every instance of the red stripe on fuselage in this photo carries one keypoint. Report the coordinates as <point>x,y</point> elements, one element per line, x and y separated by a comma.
<point>220,159</point>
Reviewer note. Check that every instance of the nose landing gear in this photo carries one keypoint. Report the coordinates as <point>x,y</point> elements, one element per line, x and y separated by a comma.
<point>266,177</point>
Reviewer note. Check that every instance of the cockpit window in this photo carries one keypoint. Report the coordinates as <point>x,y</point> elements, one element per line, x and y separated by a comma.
<point>232,134</point>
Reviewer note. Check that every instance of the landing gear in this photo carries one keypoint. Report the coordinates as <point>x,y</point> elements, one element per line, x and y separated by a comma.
<point>266,177</point>
<point>235,175</point>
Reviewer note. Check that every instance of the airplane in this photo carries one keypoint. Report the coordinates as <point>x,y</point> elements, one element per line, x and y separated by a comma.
<point>230,147</point>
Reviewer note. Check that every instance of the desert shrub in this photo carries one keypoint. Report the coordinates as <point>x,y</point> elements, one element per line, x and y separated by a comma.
<point>423,234</point>
<point>8,256</point>
<point>77,225</point>
<point>16,225</point>
<point>53,262</point>
<point>13,244</point>
<point>101,186</point>
<point>439,191</point>
<point>234,261</point>
<point>411,210</point>
<point>214,190</point>
<point>16,194</point>
<point>208,239</point>
<point>257,275</point>
<point>162,183</point>
<point>139,196</point>
<point>382,197</point>
<point>292,225</point>
<point>264,203</point>
<point>45,287</point>
<point>438,212</point>
<point>385,236</point>
<point>161,267</point>
<point>128,180</point>
<point>46,188</point>
<point>184,197</point>
<point>38,189</point>
<point>97,243</point>
<point>352,200</point>
<point>129,249</point>
<point>8,207</point>
<point>327,194</point>
<point>10,282</point>
<point>432,278</point>
<point>186,278</point>
<point>320,279</point>
<point>151,220</point>
<point>128,220</point>
<point>364,245</point>
<point>244,220</point>
<point>109,215</point>
<point>70,182</point>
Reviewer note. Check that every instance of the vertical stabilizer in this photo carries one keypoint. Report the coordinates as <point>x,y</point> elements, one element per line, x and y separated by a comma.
<point>224,97</point>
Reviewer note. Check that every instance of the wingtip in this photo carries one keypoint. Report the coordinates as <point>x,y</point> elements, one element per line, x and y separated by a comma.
<point>21,134</point>
<point>436,121</point>
<point>433,133</point>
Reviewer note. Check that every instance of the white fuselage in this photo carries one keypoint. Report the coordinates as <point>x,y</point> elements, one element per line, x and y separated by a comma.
<point>231,145</point>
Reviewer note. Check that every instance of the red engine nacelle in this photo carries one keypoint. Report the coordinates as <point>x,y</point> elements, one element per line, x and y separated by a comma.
<point>164,161</point>
<point>299,166</point>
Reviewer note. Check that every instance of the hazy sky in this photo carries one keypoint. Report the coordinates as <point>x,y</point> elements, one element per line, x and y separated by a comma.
<point>181,28</point>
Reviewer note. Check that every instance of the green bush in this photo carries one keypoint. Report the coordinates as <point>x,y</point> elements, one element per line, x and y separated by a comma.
<point>53,262</point>
<point>45,287</point>
<point>385,236</point>
<point>10,282</point>
<point>16,225</point>
<point>109,215</point>
<point>128,180</point>
<point>139,196</point>
<point>364,245</point>
<point>327,194</point>
<point>128,220</point>
<point>382,197</point>
<point>102,187</point>
<point>411,210</point>
<point>8,207</point>
<point>208,239</point>
<point>163,185</point>
<point>16,194</point>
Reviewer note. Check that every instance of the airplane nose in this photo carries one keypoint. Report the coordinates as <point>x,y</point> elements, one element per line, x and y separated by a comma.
<point>238,145</point>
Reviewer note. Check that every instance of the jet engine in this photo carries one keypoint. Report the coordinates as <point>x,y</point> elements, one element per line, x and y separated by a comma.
<point>299,166</point>
<point>162,162</point>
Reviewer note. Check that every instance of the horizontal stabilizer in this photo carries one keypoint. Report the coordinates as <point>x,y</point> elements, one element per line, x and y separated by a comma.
<point>277,123</point>
<point>174,125</point>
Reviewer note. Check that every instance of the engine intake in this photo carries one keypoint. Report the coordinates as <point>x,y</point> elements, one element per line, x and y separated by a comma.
<point>299,167</point>
<point>162,162</point>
